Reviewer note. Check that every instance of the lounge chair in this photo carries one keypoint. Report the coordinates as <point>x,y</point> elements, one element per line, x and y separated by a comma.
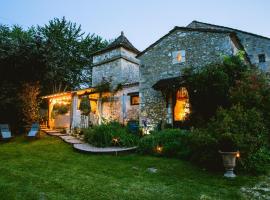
<point>5,132</point>
<point>33,133</point>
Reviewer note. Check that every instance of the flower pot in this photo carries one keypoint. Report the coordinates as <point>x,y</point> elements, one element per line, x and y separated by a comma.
<point>229,162</point>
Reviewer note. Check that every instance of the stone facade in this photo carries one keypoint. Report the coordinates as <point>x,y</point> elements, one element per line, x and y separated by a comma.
<point>253,44</point>
<point>201,48</point>
<point>119,65</point>
<point>118,106</point>
<point>196,45</point>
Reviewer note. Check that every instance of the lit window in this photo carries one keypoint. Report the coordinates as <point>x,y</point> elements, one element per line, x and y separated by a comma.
<point>181,108</point>
<point>179,56</point>
<point>134,100</point>
<point>261,58</point>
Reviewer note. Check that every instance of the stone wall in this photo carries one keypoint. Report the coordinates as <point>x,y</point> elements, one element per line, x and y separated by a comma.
<point>109,71</point>
<point>106,56</point>
<point>201,48</point>
<point>253,45</point>
<point>118,65</point>
<point>112,107</point>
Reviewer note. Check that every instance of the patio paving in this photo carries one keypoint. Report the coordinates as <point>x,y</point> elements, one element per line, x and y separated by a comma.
<point>81,146</point>
<point>71,140</point>
<point>54,132</point>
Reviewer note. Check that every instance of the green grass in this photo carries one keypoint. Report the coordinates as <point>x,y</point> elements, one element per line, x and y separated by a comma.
<point>50,169</point>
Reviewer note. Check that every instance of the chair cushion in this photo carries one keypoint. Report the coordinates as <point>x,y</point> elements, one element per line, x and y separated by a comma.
<point>32,133</point>
<point>6,134</point>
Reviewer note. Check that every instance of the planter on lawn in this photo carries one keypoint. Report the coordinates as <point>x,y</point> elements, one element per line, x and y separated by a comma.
<point>229,162</point>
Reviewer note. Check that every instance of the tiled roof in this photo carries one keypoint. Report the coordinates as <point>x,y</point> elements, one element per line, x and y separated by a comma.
<point>121,41</point>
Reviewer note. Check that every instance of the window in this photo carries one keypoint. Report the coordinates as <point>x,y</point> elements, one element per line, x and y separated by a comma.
<point>134,100</point>
<point>261,58</point>
<point>179,56</point>
<point>181,108</point>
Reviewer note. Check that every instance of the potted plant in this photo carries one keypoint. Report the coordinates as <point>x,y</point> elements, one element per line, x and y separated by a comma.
<point>229,153</point>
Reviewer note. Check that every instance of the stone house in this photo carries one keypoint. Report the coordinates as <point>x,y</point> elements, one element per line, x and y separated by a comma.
<point>151,89</point>
<point>162,97</point>
<point>116,70</point>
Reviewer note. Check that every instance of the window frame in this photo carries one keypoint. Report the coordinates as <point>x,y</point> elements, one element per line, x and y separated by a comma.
<point>262,58</point>
<point>132,95</point>
<point>175,54</point>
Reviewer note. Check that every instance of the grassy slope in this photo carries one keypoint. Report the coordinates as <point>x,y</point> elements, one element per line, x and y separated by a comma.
<point>49,169</point>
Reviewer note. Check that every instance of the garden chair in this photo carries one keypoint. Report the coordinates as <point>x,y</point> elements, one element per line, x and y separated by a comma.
<point>33,133</point>
<point>5,132</point>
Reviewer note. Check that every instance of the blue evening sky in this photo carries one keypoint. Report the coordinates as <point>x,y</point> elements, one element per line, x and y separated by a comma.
<point>143,21</point>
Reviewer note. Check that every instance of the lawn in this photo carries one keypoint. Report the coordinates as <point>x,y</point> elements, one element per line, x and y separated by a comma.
<point>48,168</point>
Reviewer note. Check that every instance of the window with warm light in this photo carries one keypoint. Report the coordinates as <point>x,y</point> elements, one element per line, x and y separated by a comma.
<point>179,56</point>
<point>134,100</point>
<point>181,108</point>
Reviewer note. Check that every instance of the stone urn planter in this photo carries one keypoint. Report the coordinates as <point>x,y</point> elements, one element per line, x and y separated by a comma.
<point>229,162</point>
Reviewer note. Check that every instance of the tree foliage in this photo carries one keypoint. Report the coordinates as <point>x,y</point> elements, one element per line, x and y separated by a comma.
<point>230,109</point>
<point>28,97</point>
<point>57,55</point>
<point>209,87</point>
<point>67,54</point>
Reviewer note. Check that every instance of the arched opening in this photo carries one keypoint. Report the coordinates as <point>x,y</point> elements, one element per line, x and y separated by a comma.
<point>181,105</point>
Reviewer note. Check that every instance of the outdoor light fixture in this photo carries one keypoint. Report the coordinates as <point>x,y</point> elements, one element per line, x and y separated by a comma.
<point>115,141</point>
<point>159,149</point>
<point>238,155</point>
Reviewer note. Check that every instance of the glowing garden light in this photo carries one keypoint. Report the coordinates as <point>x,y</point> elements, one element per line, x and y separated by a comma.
<point>159,149</point>
<point>115,140</point>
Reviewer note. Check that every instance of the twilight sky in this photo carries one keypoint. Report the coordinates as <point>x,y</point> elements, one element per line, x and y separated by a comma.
<point>143,21</point>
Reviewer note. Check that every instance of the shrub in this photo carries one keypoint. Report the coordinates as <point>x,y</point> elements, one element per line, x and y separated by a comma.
<point>109,134</point>
<point>204,149</point>
<point>258,162</point>
<point>29,103</point>
<point>232,129</point>
<point>168,142</point>
<point>231,109</point>
<point>208,87</point>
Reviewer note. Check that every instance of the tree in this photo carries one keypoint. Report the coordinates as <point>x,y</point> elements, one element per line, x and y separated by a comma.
<point>57,55</point>
<point>67,54</point>
<point>209,87</point>
<point>29,103</point>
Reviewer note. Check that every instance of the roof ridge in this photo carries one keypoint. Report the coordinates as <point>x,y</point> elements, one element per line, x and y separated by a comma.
<point>187,29</point>
<point>233,29</point>
<point>120,41</point>
<point>202,29</point>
